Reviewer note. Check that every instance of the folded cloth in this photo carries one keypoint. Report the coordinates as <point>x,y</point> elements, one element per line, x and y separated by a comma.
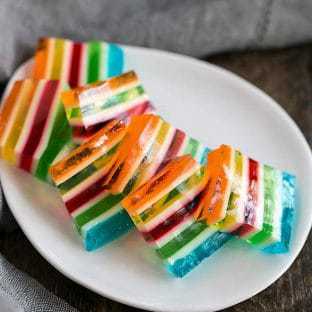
<point>19,292</point>
<point>196,28</point>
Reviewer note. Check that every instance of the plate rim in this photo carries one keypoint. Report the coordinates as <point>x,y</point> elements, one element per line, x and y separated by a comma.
<point>194,62</point>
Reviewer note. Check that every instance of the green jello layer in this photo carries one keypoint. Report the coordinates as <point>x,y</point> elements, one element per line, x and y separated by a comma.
<point>94,60</point>
<point>85,173</point>
<point>192,147</point>
<point>61,135</point>
<point>181,240</point>
<point>97,209</point>
<point>115,100</point>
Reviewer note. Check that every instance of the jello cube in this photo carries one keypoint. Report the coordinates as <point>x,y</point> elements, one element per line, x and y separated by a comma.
<point>163,211</point>
<point>234,182</point>
<point>261,203</point>
<point>214,201</point>
<point>276,194</point>
<point>97,213</point>
<point>77,63</point>
<point>131,103</point>
<point>102,101</point>
<point>279,205</point>
<point>80,178</point>
<point>33,126</point>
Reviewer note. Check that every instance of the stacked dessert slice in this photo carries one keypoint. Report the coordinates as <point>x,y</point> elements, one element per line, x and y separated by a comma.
<point>249,199</point>
<point>89,107</point>
<point>33,126</point>
<point>77,63</point>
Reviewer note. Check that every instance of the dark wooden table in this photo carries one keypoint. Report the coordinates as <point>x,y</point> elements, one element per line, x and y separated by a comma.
<point>286,75</point>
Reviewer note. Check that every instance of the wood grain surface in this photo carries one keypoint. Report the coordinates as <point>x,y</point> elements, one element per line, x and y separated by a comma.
<point>286,75</point>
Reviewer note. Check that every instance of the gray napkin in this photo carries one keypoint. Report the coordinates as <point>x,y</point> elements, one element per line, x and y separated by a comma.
<point>193,27</point>
<point>19,292</point>
<point>198,28</point>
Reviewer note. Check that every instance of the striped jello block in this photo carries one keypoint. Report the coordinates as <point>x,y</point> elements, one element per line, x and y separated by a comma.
<point>214,201</point>
<point>252,200</point>
<point>163,211</point>
<point>89,107</point>
<point>77,63</point>
<point>88,190</point>
<point>80,178</point>
<point>269,208</point>
<point>34,129</point>
<point>279,205</point>
<point>105,100</point>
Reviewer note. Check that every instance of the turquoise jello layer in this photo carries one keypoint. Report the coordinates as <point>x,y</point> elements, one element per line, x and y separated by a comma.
<point>184,265</point>
<point>287,222</point>
<point>106,231</point>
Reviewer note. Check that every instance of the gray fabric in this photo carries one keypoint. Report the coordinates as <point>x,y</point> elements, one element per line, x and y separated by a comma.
<point>19,292</point>
<point>194,27</point>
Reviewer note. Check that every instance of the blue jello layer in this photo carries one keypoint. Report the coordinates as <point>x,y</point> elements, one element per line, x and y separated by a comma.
<point>289,204</point>
<point>184,265</point>
<point>115,60</point>
<point>107,231</point>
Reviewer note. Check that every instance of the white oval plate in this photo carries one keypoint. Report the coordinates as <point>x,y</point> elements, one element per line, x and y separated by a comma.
<point>216,107</point>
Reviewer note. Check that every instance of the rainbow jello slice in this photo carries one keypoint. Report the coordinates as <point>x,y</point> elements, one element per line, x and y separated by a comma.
<point>269,212</point>
<point>279,204</point>
<point>77,63</point>
<point>33,126</point>
<point>214,201</point>
<point>115,98</point>
<point>163,211</point>
<point>261,204</point>
<point>80,179</point>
